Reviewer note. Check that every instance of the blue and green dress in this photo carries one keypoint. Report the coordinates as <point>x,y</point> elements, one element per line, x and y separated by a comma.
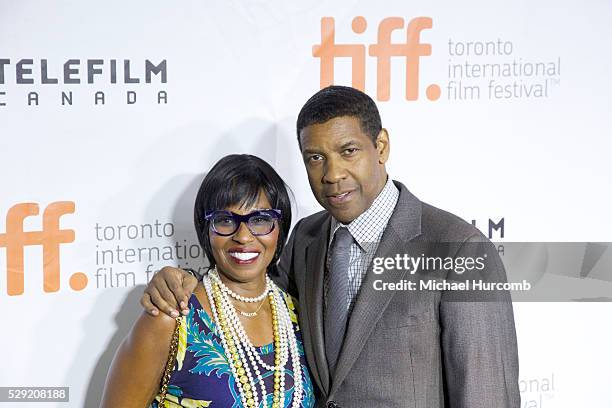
<point>202,376</point>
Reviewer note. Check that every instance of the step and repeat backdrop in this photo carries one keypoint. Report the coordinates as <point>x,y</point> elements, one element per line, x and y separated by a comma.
<point>112,112</point>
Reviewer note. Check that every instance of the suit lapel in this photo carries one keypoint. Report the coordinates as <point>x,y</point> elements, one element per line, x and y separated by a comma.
<point>316,253</point>
<point>404,224</point>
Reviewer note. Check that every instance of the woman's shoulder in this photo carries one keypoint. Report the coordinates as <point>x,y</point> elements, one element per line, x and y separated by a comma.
<point>289,300</point>
<point>149,339</point>
<point>160,327</point>
<point>292,306</point>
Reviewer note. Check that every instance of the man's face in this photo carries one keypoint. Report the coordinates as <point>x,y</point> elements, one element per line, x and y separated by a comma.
<point>345,169</point>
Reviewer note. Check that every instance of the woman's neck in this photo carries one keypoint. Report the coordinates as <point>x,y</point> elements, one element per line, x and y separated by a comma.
<point>252,288</point>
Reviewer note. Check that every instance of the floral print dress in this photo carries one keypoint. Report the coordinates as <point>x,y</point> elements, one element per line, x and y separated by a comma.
<point>202,376</point>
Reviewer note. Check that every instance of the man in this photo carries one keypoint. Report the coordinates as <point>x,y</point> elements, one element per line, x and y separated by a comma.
<point>380,348</point>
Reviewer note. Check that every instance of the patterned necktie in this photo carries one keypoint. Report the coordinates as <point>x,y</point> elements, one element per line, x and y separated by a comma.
<point>336,309</point>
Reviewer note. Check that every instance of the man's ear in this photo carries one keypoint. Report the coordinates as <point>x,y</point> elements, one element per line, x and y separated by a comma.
<point>382,146</point>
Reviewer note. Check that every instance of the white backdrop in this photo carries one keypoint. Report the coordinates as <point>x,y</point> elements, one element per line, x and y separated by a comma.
<point>235,74</point>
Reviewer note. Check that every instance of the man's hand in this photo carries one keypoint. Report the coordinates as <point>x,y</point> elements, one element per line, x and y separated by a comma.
<point>169,288</point>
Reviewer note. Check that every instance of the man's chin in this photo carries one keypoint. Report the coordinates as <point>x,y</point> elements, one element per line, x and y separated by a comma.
<point>344,216</point>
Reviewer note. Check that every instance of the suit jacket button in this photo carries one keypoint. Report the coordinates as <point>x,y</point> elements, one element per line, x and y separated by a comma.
<point>332,404</point>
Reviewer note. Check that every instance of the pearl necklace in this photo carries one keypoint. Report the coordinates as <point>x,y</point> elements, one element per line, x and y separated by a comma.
<point>244,360</point>
<point>215,276</point>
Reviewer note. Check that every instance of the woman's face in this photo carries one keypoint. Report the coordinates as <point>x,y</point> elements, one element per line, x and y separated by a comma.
<point>244,257</point>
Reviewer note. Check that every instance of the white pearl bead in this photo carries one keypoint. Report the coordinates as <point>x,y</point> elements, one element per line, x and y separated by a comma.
<point>248,354</point>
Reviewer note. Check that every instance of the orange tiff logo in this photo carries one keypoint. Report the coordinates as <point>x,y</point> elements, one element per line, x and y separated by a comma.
<point>412,50</point>
<point>15,239</point>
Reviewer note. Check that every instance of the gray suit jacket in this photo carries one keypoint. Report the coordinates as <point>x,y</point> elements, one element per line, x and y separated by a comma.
<point>405,349</point>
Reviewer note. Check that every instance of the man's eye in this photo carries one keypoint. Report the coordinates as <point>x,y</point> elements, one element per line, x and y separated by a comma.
<point>315,158</point>
<point>350,151</point>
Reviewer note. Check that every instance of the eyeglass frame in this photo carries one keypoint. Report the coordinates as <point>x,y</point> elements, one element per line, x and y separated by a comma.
<point>239,219</point>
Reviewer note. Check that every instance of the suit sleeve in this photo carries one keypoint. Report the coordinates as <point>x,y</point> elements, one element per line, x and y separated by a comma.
<point>478,338</point>
<point>285,275</point>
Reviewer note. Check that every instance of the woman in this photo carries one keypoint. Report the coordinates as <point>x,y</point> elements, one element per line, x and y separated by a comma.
<point>239,345</point>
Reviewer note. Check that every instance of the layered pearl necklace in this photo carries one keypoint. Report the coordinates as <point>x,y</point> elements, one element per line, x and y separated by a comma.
<point>245,362</point>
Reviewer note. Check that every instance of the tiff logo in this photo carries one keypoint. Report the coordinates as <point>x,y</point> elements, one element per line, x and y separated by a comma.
<point>15,239</point>
<point>412,50</point>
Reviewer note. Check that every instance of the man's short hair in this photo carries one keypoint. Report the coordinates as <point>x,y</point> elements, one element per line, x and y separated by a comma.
<point>336,101</point>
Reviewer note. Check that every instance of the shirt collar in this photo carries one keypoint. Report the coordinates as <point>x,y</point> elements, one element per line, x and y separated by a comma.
<point>369,226</point>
